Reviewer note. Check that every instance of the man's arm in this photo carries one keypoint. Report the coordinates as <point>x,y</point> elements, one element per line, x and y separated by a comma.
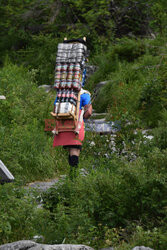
<point>86,102</point>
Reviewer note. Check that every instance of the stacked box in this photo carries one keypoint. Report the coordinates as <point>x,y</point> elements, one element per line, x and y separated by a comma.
<point>70,67</point>
<point>70,63</point>
<point>71,53</point>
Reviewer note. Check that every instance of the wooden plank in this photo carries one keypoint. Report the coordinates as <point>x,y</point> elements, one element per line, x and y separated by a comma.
<point>5,174</point>
<point>63,114</point>
<point>53,114</point>
<point>78,105</point>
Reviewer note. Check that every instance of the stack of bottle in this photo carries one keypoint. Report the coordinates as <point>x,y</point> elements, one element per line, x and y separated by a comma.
<point>68,75</point>
<point>70,65</point>
<point>66,101</point>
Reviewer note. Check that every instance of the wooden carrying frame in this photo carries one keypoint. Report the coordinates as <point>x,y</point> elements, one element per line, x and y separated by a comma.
<point>70,118</point>
<point>61,118</point>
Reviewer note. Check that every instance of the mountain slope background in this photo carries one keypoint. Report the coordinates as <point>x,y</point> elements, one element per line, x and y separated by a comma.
<point>122,201</point>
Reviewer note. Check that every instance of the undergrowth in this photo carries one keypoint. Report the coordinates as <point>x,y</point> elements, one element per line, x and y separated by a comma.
<point>136,75</point>
<point>118,198</point>
<point>25,148</point>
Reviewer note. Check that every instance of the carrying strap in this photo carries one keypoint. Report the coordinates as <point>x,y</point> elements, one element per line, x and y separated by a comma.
<point>83,91</point>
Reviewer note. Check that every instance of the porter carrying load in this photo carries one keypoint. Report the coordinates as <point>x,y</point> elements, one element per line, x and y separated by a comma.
<point>70,73</point>
<point>73,103</point>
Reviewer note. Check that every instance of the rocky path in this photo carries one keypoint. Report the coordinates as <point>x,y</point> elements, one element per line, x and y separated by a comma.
<point>42,186</point>
<point>102,126</point>
<point>31,245</point>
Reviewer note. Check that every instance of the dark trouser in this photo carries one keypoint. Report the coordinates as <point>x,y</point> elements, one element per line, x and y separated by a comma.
<point>73,160</point>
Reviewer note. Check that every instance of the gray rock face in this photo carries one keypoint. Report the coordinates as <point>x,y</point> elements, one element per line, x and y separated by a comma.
<point>101,84</point>
<point>30,245</point>
<point>43,185</point>
<point>98,87</point>
<point>2,97</point>
<point>108,248</point>
<point>47,88</point>
<point>142,248</point>
<point>22,245</point>
<point>101,126</point>
<point>90,70</point>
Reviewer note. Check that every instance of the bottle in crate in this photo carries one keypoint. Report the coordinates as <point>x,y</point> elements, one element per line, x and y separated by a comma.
<point>77,76</point>
<point>75,97</point>
<point>68,104</point>
<point>57,75</point>
<point>63,84</point>
<point>77,71</point>
<point>69,83</point>
<point>64,75</point>
<point>70,100</point>
<point>56,83</point>
<point>70,75</point>
<point>76,84</point>
<point>62,102</point>
<point>56,105</point>
<point>64,68</point>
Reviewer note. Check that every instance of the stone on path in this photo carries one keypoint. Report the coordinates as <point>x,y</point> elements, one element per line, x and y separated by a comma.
<point>107,248</point>
<point>30,245</point>
<point>2,97</point>
<point>102,126</point>
<point>42,185</point>
<point>142,248</point>
<point>90,70</point>
<point>101,84</point>
<point>47,88</point>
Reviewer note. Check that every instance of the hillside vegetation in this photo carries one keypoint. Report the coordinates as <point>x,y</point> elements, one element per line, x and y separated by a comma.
<point>122,200</point>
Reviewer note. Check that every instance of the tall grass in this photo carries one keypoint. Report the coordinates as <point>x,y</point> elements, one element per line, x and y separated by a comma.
<point>25,148</point>
<point>135,70</point>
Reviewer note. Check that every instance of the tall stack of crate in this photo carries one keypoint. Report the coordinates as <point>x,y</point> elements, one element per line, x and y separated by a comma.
<point>70,65</point>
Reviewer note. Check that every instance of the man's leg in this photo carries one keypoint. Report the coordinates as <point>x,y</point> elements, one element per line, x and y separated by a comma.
<point>73,160</point>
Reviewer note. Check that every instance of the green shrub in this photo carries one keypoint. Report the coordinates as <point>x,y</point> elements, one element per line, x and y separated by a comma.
<point>152,101</point>
<point>160,137</point>
<point>40,55</point>
<point>17,214</point>
<point>124,49</point>
<point>128,49</point>
<point>111,198</point>
<point>155,238</point>
<point>139,81</point>
<point>25,147</point>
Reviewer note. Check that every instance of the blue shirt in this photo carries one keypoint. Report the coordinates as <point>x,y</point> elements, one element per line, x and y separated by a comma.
<point>84,100</point>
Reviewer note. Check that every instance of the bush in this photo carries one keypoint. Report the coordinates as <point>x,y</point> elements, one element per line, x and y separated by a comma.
<point>108,198</point>
<point>25,148</point>
<point>136,72</point>
<point>17,214</point>
<point>40,55</point>
<point>155,238</point>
